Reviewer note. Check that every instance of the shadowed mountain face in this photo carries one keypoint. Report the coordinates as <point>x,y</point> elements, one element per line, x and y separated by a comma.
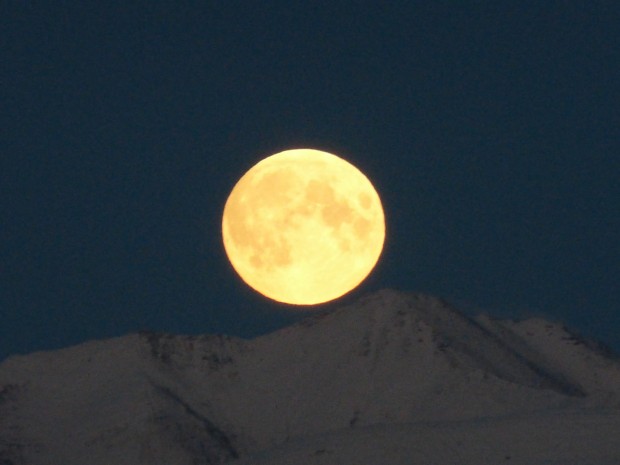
<point>391,362</point>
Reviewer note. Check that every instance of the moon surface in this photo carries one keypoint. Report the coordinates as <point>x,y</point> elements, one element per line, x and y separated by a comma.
<point>303,227</point>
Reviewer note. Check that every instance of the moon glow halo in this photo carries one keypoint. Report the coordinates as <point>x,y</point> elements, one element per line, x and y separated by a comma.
<point>303,227</point>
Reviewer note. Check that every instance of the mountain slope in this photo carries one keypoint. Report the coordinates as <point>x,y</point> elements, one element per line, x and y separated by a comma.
<point>558,438</point>
<point>392,360</point>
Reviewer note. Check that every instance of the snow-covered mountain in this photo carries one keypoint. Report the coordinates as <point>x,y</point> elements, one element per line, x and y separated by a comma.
<point>395,378</point>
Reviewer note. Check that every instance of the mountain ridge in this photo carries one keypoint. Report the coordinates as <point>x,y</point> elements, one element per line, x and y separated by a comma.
<point>391,358</point>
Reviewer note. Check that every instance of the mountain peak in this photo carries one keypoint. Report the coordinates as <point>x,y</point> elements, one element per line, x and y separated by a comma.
<point>392,358</point>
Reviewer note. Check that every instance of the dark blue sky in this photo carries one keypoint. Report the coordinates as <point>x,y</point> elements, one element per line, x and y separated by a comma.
<point>490,129</point>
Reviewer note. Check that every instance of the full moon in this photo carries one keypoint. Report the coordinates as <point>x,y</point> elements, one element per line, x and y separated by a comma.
<point>303,227</point>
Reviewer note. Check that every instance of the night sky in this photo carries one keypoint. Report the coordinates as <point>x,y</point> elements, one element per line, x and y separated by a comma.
<point>490,129</point>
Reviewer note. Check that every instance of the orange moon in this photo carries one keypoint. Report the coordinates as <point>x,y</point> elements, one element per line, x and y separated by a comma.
<point>303,227</point>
